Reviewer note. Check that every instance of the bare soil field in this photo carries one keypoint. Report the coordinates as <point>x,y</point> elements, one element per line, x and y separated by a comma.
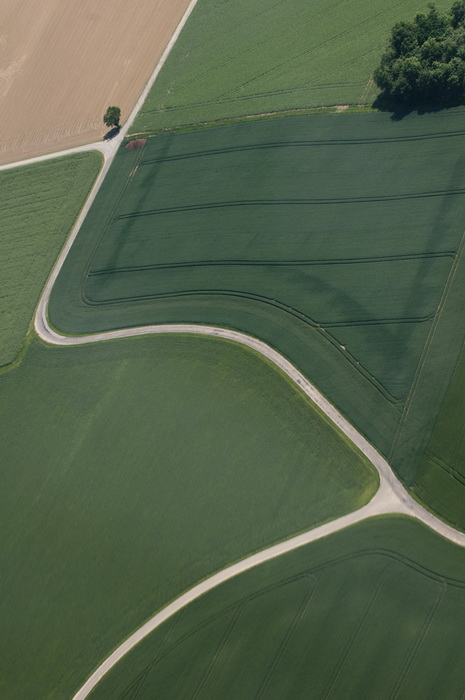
<point>62,64</point>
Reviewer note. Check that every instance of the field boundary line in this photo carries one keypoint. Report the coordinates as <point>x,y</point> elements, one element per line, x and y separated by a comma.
<point>286,638</point>
<point>419,641</point>
<point>366,89</point>
<point>355,632</point>
<point>382,501</point>
<point>103,146</point>
<point>219,650</point>
<point>391,497</point>
<point>426,348</point>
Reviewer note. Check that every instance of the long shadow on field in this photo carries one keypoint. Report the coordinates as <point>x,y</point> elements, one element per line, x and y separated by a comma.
<point>400,110</point>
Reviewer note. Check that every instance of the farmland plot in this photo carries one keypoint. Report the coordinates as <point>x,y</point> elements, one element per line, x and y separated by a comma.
<point>369,612</point>
<point>243,58</point>
<point>39,204</point>
<point>335,239</point>
<point>132,469</point>
<point>63,63</point>
<point>440,479</point>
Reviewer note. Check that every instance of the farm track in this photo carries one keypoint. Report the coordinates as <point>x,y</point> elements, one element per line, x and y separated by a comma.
<point>105,147</point>
<point>391,497</point>
<point>274,263</point>
<point>289,202</point>
<point>245,98</point>
<point>302,144</point>
<point>320,323</point>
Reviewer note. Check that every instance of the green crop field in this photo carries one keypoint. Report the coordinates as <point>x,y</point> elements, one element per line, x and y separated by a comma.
<point>370,612</point>
<point>336,239</point>
<point>132,469</point>
<point>241,58</point>
<point>39,204</point>
<point>440,479</point>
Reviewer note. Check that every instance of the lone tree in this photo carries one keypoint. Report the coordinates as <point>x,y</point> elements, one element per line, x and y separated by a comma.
<point>424,62</point>
<point>112,117</point>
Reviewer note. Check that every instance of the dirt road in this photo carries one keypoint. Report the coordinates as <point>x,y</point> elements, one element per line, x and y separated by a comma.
<point>391,497</point>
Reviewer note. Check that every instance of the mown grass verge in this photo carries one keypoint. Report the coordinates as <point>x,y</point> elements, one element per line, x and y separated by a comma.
<point>316,622</point>
<point>299,112</point>
<point>132,469</point>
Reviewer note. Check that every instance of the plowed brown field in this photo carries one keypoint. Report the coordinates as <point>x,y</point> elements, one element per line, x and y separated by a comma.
<point>63,63</point>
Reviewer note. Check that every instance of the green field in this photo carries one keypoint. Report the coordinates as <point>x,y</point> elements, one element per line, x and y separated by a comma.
<point>132,469</point>
<point>39,204</point>
<point>241,58</point>
<point>440,480</point>
<point>370,612</point>
<point>336,239</point>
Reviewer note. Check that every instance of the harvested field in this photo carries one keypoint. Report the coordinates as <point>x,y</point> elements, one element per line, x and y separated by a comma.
<point>370,612</point>
<point>132,469</point>
<point>63,63</point>
<point>38,205</point>
<point>332,238</point>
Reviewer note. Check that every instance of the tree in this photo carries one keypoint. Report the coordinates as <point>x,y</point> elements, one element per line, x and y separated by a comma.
<point>112,117</point>
<point>424,62</point>
<point>403,39</point>
<point>458,13</point>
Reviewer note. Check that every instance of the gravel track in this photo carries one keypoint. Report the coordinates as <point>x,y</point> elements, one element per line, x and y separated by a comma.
<point>391,497</point>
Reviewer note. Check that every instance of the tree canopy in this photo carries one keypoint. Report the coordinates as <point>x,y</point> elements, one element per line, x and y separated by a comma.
<point>424,62</point>
<point>112,116</point>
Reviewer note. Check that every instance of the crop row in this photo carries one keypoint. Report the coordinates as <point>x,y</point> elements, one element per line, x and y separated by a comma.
<point>300,625</point>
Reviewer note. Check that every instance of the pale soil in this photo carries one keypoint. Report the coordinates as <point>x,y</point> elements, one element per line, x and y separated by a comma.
<point>63,63</point>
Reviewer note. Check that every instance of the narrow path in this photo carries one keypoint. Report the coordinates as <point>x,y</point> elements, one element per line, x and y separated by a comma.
<point>383,502</point>
<point>104,146</point>
<point>391,496</point>
<point>400,500</point>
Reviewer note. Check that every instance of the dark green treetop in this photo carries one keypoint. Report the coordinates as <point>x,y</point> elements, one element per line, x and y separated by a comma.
<point>112,116</point>
<point>424,62</point>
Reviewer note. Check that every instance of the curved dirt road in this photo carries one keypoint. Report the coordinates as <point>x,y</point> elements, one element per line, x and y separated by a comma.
<point>104,146</point>
<point>383,502</point>
<point>400,500</point>
<point>391,496</point>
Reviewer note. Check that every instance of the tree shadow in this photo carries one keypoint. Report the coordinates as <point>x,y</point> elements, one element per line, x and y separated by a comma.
<point>112,133</point>
<point>401,109</point>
